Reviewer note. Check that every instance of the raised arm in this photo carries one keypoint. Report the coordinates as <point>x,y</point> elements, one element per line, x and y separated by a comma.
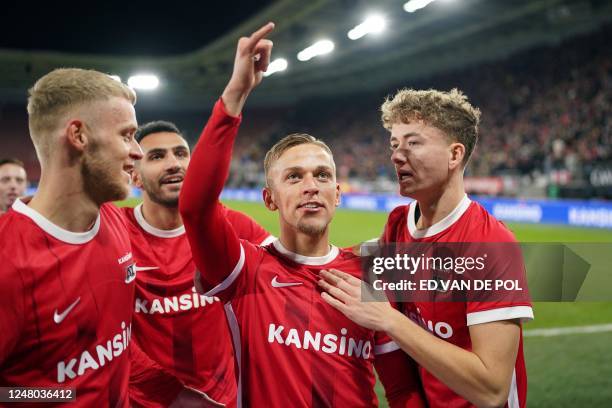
<point>216,248</point>
<point>247,228</point>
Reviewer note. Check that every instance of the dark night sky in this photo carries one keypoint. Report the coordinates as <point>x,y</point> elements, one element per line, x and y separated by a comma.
<point>131,27</point>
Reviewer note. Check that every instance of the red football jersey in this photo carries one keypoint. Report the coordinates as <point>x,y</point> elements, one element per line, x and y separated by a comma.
<point>184,332</point>
<point>292,348</point>
<point>292,342</point>
<point>66,305</point>
<point>469,222</point>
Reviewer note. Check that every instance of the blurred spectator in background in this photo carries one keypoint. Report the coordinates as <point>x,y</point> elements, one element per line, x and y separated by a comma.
<point>13,182</point>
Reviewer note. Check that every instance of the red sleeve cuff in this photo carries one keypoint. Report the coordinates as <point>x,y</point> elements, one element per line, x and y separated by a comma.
<point>220,113</point>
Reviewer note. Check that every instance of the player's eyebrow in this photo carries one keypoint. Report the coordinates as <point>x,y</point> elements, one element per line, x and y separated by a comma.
<point>409,134</point>
<point>130,128</point>
<point>156,150</point>
<point>300,168</point>
<point>324,167</point>
<point>294,168</point>
<point>405,135</point>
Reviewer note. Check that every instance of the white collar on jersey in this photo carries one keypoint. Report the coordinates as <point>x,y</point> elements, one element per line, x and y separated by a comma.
<point>160,233</point>
<point>439,226</point>
<point>307,260</point>
<point>54,230</point>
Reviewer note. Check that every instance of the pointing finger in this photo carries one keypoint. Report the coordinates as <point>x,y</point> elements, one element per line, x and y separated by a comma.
<point>259,35</point>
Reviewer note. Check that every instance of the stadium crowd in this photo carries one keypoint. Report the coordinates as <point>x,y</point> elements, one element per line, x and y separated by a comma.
<point>546,118</point>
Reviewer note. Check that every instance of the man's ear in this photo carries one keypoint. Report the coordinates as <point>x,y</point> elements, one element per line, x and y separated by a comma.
<point>136,178</point>
<point>338,195</point>
<point>77,135</point>
<point>457,153</point>
<point>269,199</point>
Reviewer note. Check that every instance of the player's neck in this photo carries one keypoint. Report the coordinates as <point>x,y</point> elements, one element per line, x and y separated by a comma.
<point>60,198</point>
<point>304,244</point>
<point>161,217</point>
<point>435,208</point>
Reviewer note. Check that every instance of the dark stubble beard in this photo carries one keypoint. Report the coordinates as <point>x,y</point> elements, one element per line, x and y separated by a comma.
<point>153,190</point>
<point>98,180</point>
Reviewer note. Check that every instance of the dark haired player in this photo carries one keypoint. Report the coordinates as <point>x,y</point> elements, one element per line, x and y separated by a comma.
<point>184,332</point>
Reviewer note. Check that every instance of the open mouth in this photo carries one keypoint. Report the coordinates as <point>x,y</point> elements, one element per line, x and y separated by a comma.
<point>176,179</point>
<point>311,206</point>
<point>404,175</point>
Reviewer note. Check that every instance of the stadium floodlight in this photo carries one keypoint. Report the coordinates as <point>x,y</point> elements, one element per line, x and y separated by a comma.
<point>116,77</point>
<point>414,5</point>
<point>319,48</point>
<point>371,25</point>
<point>279,64</point>
<point>143,81</point>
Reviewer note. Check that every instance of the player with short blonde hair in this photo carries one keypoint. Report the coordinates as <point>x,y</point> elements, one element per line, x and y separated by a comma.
<point>64,92</point>
<point>66,267</point>
<point>291,348</point>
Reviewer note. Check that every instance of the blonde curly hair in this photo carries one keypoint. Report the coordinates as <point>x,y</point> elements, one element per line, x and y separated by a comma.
<point>448,111</point>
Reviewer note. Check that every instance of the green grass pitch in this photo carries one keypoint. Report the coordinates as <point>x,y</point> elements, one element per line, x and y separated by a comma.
<point>563,371</point>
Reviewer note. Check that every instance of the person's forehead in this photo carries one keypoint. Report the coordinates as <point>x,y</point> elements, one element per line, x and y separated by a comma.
<point>304,155</point>
<point>116,111</point>
<point>415,127</point>
<point>162,140</point>
<point>11,169</point>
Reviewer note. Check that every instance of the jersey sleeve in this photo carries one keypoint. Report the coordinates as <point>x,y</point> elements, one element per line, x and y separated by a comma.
<point>504,264</point>
<point>395,221</point>
<point>384,344</point>
<point>12,307</point>
<point>150,385</point>
<point>247,228</point>
<point>398,374</point>
<point>216,248</point>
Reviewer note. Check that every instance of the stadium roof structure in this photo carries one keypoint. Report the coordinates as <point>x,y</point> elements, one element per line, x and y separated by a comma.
<point>446,35</point>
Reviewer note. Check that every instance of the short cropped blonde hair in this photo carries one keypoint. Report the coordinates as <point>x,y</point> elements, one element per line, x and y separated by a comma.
<point>286,143</point>
<point>63,89</point>
<point>448,111</point>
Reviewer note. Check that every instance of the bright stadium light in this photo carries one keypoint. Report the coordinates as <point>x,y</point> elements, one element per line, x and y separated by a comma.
<point>371,25</point>
<point>414,5</point>
<point>143,82</point>
<point>116,77</point>
<point>319,48</point>
<point>278,65</point>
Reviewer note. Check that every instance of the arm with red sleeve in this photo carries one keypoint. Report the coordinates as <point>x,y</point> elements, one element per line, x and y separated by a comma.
<point>216,248</point>
<point>247,228</point>
<point>150,385</point>
<point>12,306</point>
<point>398,374</point>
